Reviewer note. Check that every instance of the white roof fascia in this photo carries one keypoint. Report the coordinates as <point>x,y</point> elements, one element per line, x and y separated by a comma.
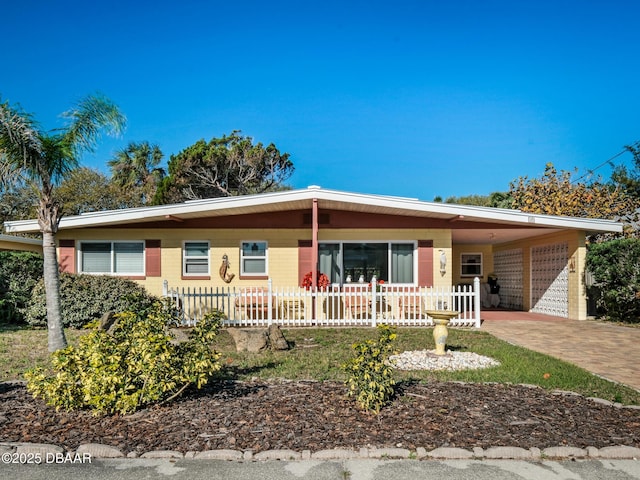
<point>27,241</point>
<point>406,205</point>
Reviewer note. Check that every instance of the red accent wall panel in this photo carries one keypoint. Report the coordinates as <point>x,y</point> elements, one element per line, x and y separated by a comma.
<point>305,255</point>
<point>425,263</point>
<point>152,258</point>
<point>67,256</point>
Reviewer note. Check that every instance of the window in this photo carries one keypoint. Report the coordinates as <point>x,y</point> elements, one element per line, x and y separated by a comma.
<point>195,258</point>
<point>391,262</point>
<point>471,264</point>
<point>118,258</point>
<point>253,259</point>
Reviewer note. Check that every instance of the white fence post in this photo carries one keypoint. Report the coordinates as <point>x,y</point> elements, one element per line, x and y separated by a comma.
<point>476,300</point>
<point>270,302</point>
<point>374,301</point>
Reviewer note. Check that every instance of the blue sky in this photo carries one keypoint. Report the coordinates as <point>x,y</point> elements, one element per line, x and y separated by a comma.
<point>410,98</point>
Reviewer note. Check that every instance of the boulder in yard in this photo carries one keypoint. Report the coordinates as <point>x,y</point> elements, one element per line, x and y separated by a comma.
<point>258,339</point>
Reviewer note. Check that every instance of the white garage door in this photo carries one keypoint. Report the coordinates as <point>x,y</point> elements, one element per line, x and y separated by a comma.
<point>550,279</point>
<point>507,266</point>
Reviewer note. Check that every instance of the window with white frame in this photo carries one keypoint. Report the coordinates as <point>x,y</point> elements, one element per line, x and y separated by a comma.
<point>391,262</point>
<point>253,258</point>
<point>471,264</point>
<point>115,258</point>
<point>195,258</point>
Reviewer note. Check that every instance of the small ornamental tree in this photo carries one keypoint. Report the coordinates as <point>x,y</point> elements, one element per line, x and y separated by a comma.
<point>370,377</point>
<point>136,363</point>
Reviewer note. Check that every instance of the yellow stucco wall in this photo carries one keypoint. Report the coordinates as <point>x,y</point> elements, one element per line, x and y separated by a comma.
<point>576,254</point>
<point>283,254</point>
<point>487,262</point>
<point>282,250</point>
<point>19,246</point>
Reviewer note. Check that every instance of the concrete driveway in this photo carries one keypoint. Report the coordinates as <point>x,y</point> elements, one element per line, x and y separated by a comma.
<point>609,350</point>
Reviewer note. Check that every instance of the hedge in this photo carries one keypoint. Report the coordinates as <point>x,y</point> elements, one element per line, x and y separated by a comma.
<point>615,266</point>
<point>84,298</point>
<point>19,273</point>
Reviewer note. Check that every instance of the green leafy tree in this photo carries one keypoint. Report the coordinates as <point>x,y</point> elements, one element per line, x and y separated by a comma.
<point>82,190</point>
<point>42,159</point>
<point>17,202</point>
<point>135,169</point>
<point>629,178</point>
<point>495,199</point>
<point>227,166</point>
<point>88,190</point>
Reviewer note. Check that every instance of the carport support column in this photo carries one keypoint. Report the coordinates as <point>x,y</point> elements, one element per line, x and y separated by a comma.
<point>314,243</point>
<point>314,255</point>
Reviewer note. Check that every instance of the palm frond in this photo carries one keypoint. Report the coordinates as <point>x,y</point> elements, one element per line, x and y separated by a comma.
<point>20,140</point>
<point>92,115</point>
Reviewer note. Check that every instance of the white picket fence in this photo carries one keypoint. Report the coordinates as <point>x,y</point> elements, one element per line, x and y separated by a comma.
<point>348,305</point>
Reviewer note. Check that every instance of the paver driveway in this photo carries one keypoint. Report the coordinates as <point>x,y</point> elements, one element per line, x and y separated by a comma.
<point>609,350</point>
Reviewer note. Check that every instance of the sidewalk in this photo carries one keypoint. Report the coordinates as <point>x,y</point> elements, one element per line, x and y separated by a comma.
<point>609,350</point>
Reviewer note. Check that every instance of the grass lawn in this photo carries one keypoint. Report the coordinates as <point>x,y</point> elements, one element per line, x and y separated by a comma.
<point>318,354</point>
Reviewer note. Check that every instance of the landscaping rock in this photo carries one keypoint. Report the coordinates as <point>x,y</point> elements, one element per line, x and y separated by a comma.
<point>249,339</point>
<point>108,321</point>
<point>276,338</point>
<point>258,339</point>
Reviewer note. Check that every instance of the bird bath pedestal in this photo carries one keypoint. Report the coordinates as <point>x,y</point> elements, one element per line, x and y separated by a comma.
<point>440,333</point>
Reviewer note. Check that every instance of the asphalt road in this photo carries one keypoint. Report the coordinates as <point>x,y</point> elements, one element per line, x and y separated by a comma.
<point>366,469</point>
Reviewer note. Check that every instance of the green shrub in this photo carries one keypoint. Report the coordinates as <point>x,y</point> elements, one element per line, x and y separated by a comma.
<point>135,365</point>
<point>84,298</point>
<point>19,273</point>
<point>616,267</point>
<point>370,378</point>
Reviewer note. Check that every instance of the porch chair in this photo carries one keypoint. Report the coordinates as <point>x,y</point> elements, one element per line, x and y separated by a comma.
<point>411,307</point>
<point>253,303</point>
<point>357,305</point>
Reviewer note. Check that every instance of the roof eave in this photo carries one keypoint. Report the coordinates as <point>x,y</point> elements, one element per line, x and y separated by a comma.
<point>304,197</point>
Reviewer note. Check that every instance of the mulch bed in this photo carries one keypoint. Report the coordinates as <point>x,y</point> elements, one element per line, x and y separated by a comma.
<point>317,415</point>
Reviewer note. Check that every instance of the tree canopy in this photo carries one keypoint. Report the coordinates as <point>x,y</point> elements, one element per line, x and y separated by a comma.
<point>135,169</point>
<point>227,166</point>
<point>556,193</point>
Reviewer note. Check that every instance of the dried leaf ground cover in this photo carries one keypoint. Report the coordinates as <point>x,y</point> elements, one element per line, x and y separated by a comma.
<point>314,415</point>
<point>250,409</point>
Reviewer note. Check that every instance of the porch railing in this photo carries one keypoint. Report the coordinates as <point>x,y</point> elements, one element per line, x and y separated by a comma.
<point>348,305</point>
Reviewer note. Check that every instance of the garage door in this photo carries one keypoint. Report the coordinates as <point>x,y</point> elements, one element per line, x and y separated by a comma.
<point>550,279</point>
<point>507,266</point>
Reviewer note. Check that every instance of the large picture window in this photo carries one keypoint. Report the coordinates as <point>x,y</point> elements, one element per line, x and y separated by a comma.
<point>391,262</point>
<point>116,258</point>
<point>253,259</point>
<point>195,259</point>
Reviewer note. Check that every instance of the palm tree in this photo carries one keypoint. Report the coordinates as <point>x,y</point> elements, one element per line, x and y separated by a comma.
<point>135,169</point>
<point>43,159</point>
